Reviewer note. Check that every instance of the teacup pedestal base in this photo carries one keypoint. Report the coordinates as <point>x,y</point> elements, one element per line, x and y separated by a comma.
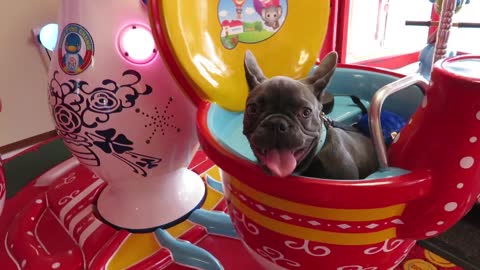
<point>162,202</point>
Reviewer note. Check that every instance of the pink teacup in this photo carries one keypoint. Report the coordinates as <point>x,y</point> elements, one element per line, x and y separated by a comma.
<point>122,114</point>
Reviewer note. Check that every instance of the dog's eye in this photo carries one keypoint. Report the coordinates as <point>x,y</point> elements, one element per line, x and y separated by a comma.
<point>251,109</point>
<point>306,112</point>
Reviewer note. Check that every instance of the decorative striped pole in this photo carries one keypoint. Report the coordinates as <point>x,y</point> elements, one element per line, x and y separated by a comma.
<point>443,32</point>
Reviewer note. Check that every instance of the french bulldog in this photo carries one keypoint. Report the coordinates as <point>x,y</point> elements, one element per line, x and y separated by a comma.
<point>285,127</point>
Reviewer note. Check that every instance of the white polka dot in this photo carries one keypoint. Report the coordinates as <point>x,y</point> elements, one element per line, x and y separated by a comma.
<point>466,162</point>
<point>440,223</point>
<point>70,252</point>
<point>24,262</point>
<point>55,265</point>
<point>39,201</point>
<point>473,139</point>
<point>30,233</point>
<point>396,138</point>
<point>432,233</point>
<point>478,115</point>
<point>32,218</point>
<point>451,206</point>
<point>460,185</point>
<point>425,102</point>
<point>410,122</point>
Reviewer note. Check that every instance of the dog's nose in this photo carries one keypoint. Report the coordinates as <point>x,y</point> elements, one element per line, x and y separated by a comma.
<point>277,124</point>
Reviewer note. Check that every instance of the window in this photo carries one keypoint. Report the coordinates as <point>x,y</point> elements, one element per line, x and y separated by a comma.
<point>377,28</point>
<point>466,39</point>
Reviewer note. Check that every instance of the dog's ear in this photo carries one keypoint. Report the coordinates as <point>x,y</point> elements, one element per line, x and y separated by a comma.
<point>253,72</point>
<point>322,74</point>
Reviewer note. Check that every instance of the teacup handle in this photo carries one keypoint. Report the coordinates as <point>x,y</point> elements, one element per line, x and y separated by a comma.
<point>376,107</point>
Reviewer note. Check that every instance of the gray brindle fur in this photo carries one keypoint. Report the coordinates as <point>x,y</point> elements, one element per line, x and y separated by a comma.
<point>284,114</point>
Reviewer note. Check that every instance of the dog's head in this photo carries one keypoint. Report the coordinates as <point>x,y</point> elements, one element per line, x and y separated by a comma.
<point>282,119</point>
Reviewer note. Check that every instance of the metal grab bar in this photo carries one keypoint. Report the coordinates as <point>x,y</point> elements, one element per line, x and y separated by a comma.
<point>376,107</point>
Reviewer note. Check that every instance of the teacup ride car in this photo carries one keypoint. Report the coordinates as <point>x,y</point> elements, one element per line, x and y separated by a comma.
<point>427,180</point>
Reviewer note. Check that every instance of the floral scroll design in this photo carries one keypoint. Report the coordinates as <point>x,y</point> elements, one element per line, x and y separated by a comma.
<point>276,257</point>
<point>251,228</point>
<point>388,246</point>
<point>316,251</point>
<point>405,254</point>
<point>78,111</point>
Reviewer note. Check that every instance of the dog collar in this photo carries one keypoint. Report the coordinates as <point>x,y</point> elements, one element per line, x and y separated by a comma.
<point>321,142</point>
<point>323,137</point>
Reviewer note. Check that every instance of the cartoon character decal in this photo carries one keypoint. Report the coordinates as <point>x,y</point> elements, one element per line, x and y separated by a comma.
<point>271,15</point>
<point>250,21</point>
<point>75,50</point>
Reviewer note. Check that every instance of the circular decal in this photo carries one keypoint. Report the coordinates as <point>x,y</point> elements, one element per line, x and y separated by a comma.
<point>417,264</point>
<point>250,21</point>
<point>75,50</point>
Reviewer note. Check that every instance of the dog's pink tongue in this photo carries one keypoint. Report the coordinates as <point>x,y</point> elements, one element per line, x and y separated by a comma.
<point>280,162</point>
